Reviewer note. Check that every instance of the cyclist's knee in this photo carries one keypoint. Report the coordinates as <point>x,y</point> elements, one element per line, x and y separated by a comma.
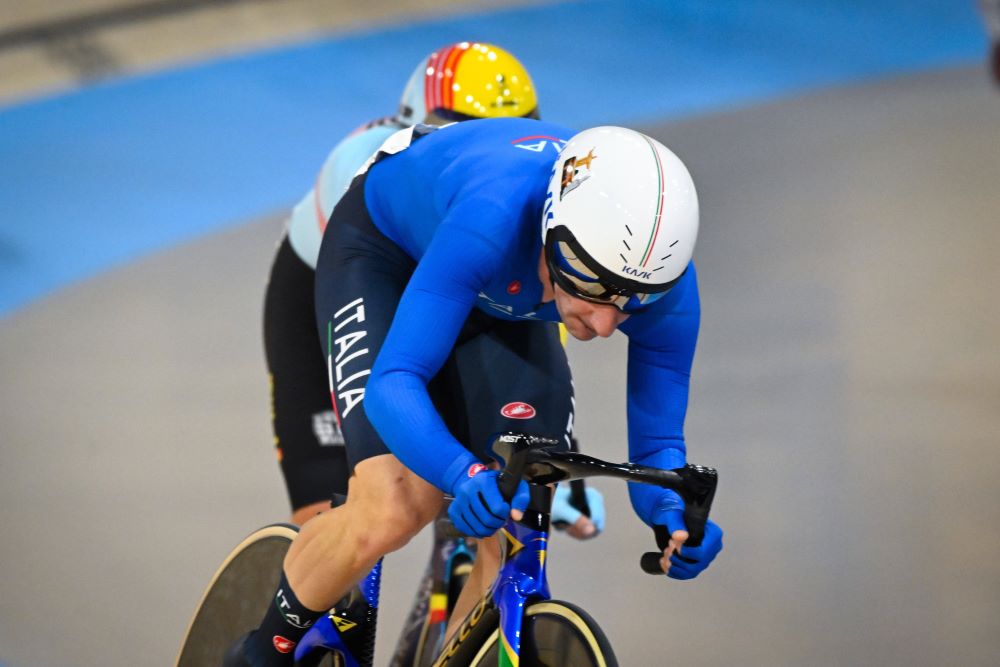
<point>388,506</point>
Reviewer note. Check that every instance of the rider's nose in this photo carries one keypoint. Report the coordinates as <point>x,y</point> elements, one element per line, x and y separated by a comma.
<point>603,320</point>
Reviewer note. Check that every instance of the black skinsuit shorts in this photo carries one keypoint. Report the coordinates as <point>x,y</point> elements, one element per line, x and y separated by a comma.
<point>501,375</point>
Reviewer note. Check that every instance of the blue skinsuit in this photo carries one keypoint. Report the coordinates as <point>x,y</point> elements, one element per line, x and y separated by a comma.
<point>465,202</point>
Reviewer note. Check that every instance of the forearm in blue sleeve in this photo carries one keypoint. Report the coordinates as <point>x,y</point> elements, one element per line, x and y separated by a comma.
<point>656,432</point>
<point>430,315</point>
<point>661,351</point>
<point>401,411</point>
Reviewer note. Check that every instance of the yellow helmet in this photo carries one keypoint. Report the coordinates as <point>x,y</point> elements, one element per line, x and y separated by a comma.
<point>468,80</point>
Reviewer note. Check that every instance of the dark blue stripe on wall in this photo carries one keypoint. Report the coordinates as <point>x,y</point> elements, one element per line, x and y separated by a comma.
<point>94,178</point>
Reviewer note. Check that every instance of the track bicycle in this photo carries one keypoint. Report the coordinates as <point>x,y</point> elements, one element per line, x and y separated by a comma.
<point>516,622</point>
<point>243,585</point>
<point>241,588</point>
<point>452,557</point>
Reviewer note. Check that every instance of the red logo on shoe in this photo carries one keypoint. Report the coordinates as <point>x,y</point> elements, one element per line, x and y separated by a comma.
<point>517,410</point>
<point>282,645</point>
<point>514,287</point>
<point>476,468</point>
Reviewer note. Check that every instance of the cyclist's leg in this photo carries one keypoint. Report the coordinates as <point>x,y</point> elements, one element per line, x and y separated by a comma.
<point>307,437</point>
<point>386,506</point>
<point>514,377</point>
<point>360,278</point>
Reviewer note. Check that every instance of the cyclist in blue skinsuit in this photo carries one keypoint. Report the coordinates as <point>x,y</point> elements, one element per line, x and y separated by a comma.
<point>307,435</point>
<point>433,275</point>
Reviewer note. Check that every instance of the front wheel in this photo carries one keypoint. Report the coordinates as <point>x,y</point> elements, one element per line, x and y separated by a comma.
<point>553,634</point>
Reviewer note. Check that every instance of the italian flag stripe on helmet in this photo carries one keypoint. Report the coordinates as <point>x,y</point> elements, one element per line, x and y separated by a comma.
<point>659,204</point>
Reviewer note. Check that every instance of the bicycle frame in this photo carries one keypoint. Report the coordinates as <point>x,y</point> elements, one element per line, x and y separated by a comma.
<point>521,579</point>
<point>522,574</point>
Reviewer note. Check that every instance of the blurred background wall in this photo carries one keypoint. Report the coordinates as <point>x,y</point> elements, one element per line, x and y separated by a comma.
<point>847,381</point>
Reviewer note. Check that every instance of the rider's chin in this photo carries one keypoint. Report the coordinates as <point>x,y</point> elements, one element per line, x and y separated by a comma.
<point>580,331</point>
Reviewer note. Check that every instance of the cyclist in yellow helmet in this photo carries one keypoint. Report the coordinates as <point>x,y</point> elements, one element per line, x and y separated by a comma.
<point>465,81</point>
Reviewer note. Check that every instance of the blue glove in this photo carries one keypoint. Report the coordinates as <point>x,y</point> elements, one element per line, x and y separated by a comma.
<point>562,510</point>
<point>690,562</point>
<point>479,509</point>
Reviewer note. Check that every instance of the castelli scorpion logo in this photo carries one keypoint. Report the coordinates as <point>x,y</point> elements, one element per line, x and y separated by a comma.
<point>517,410</point>
<point>282,645</point>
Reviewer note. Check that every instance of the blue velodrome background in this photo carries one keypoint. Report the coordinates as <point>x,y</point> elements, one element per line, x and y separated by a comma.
<point>101,176</point>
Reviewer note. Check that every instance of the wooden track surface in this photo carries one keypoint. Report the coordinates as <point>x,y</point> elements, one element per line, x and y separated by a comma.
<point>846,385</point>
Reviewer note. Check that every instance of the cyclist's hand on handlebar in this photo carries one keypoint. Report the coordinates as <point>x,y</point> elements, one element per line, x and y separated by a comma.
<point>680,562</point>
<point>580,526</point>
<point>479,508</point>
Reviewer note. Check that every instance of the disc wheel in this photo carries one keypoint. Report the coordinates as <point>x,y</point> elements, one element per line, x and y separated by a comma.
<point>237,596</point>
<point>553,634</point>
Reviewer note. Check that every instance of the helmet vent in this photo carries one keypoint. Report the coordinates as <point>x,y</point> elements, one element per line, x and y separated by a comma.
<point>671,254</point>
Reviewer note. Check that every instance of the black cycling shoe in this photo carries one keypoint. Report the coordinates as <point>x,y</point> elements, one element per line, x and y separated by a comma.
<point>234,656</point>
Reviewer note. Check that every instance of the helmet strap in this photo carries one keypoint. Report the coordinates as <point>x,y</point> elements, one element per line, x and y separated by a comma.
<point>548,282</point>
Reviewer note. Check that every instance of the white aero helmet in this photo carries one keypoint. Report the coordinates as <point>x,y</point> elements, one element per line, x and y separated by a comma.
<point>467,80</point>
<point>620,218</point>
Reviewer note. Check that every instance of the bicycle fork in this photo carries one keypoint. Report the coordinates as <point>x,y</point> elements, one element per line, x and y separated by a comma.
<point>522,579</point>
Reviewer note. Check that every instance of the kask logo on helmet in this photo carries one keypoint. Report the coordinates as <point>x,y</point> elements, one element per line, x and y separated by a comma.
<point>638,273</point>
<point>571,176</point>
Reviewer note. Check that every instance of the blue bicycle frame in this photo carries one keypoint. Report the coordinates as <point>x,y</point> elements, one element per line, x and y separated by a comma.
<point>521,579</point>
<point>522,576</point>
